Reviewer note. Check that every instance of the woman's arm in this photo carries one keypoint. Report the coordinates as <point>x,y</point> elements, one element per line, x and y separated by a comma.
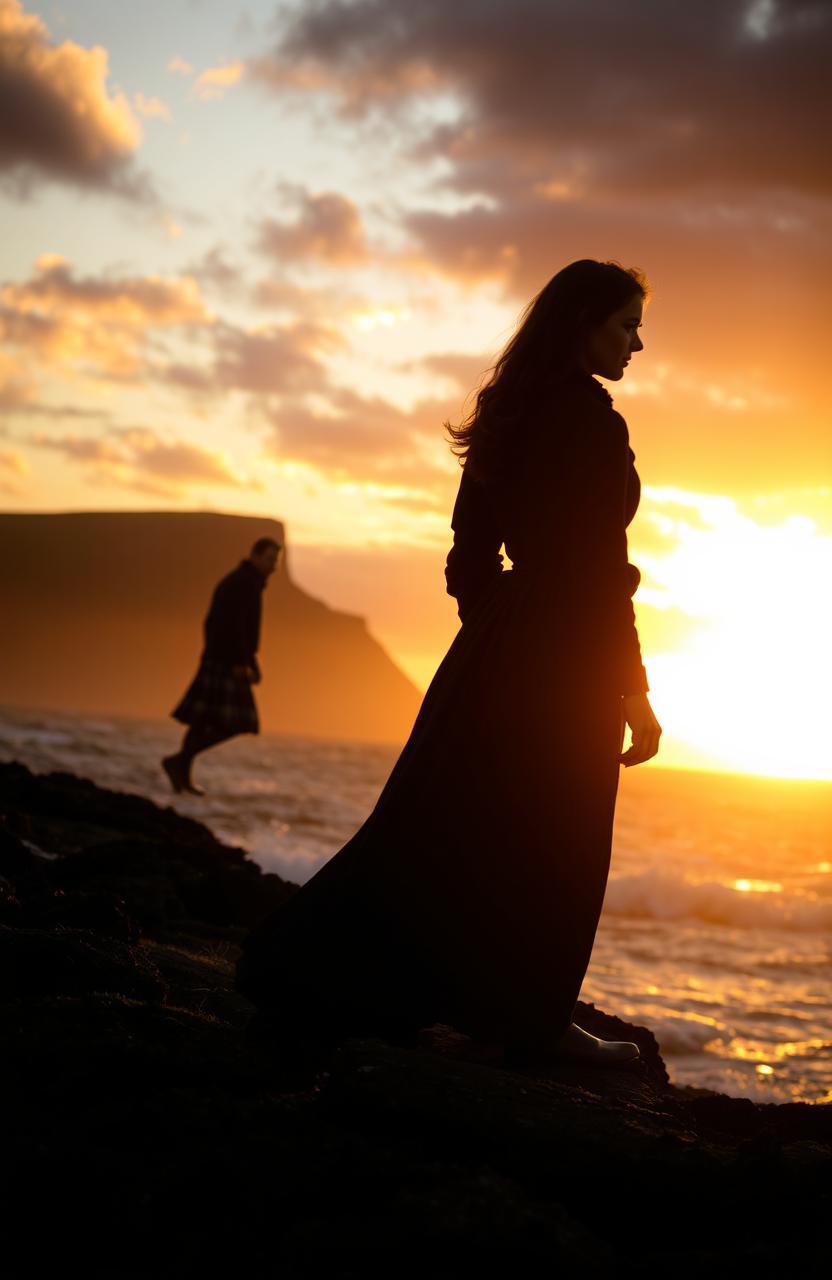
<point>474,560</point>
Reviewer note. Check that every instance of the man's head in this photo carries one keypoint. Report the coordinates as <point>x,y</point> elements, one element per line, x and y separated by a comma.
<point>264,554</point>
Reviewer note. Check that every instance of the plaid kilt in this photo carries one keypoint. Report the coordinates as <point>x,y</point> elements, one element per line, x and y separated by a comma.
<point>218,700</point>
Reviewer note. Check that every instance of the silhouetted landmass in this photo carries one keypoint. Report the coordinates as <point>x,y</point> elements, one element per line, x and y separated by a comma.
<point>102,612</point>
<point>151,1128</point>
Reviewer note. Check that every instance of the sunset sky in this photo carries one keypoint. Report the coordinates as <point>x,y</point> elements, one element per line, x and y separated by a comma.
<point>254,254</point>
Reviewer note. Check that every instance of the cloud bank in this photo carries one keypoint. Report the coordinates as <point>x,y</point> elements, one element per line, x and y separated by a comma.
<point>140,459</point>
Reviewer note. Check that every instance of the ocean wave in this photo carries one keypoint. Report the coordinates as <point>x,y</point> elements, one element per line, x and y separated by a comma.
<point>680,1035</point>
<point>658,895</point>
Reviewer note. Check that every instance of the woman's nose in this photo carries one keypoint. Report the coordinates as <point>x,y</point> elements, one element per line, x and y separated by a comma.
<point>637,344</point>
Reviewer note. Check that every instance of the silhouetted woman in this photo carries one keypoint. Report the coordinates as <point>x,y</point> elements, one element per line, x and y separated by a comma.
<point>472,893</point>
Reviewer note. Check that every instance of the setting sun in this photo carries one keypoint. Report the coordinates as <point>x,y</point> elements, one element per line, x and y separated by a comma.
<point>749,689</point>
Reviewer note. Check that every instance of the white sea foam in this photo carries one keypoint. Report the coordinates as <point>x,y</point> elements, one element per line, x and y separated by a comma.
<point>660,895</point>
<point>680,1036</point>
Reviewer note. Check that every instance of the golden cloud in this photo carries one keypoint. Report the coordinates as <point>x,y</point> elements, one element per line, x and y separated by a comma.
<point>180,66</point>
<point>138,458</point>
<point>94,324</point>
<point>15,387</point>
<point>58,116</point>
<point>151,108</point>
<point>12,460</point>
<point>213,81</point>
<point>352,438</point>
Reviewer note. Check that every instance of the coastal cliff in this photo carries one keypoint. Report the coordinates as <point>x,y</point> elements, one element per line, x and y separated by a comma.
<point>156,1127</point>
<point>103,613</point>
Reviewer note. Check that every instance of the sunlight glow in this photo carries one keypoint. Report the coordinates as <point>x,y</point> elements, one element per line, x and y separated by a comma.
<point>380,318</point>
<point>757,886</point>
<point>751,691</point>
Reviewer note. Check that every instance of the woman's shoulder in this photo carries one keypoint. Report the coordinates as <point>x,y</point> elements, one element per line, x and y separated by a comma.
<point>577,408</point>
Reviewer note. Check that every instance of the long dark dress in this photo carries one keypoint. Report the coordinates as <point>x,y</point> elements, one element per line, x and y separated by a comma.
<point>471,895</point>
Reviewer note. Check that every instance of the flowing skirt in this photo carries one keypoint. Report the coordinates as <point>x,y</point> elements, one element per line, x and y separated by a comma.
<point>472,893</point>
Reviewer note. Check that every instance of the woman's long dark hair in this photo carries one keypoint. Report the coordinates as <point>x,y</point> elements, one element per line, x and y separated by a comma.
<point>542,352</point>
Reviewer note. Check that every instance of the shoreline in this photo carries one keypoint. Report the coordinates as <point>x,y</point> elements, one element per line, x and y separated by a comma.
<point>144,1088</point>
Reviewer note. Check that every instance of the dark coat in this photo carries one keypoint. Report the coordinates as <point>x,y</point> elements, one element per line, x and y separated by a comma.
<point>562,512</point>
<point>217,700</point>
<point>472,893</point>
<point>232,626</point>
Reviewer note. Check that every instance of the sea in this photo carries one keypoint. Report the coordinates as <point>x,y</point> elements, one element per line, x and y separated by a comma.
<point>716,924</point>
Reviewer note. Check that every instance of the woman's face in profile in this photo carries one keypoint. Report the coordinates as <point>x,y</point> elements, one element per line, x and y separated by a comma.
<point>608,347</point>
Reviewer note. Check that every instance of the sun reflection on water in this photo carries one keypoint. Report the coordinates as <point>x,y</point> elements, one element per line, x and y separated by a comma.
<point>757,886</point>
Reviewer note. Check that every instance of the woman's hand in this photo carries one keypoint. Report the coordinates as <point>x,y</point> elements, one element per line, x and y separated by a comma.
<point>644,727</point>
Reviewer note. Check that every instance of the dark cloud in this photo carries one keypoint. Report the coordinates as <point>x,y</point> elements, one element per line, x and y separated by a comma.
<point>588,99</point>
<point>687,140</point>
<point>326,227</point>
<point>57,116</point>
<point>215,268</point>
<point>271,360</point>
<point>275,358</point>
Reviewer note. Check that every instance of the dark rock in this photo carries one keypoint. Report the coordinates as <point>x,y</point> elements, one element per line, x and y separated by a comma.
<point>63,813</point>
<point>106,1044</point>
<point>10,907</point>
<point>164,882</point>
<point>103,913</point>
<point>35,962</point>
<point>19,866</point>
<point>165,868</point>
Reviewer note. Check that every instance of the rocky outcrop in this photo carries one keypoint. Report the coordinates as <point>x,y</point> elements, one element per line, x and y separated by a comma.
<point>153,1127</point>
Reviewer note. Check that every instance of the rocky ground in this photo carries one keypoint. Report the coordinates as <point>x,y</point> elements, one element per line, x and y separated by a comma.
<point>152,1128</point>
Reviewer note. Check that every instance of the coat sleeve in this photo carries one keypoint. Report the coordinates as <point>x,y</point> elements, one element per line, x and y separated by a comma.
<point>255,620</point>
<point>230,629</point>
<point>598,533</point>
<point>244,622</point>
<point>474,561</point>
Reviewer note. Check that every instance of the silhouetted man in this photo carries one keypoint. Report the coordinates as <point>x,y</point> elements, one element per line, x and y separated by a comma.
<point>219,703</point>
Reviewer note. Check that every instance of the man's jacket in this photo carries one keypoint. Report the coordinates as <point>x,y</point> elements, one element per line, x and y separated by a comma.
<point>232,627</point>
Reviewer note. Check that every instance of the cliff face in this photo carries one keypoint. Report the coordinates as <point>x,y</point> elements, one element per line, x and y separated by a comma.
<point>103,612</point>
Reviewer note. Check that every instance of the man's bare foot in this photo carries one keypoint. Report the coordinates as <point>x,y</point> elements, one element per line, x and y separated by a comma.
<point>177,777</point>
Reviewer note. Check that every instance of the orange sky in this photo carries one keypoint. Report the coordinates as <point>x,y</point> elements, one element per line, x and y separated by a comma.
<point>253,256</point>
